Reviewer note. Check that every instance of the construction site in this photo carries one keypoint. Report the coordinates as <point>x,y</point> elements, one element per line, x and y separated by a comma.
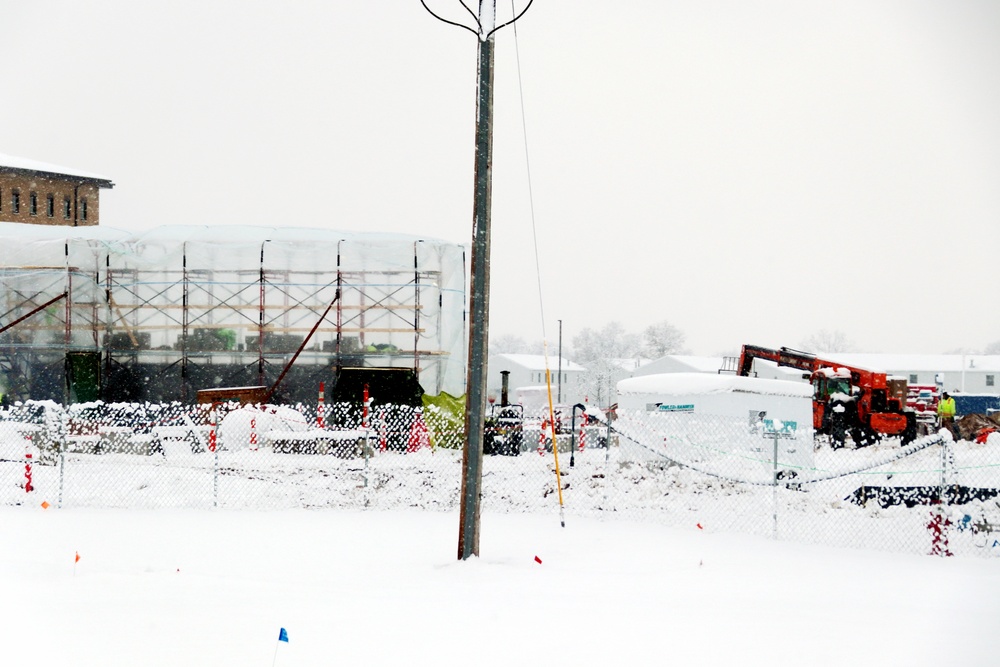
<point>103,314</point>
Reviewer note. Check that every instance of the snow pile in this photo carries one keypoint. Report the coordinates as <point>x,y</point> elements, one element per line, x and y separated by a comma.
<point>240,426</point>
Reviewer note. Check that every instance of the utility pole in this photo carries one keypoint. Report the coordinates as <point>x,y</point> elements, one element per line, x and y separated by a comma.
<point>479,301</point>
<point>479,298</point>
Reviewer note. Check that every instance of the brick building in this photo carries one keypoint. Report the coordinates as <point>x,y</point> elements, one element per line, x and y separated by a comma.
<point>39,193</point>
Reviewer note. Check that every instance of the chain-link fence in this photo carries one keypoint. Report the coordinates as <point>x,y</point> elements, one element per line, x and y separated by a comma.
<point>934,495</point>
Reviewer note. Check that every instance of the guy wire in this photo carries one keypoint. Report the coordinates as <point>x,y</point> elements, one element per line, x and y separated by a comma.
<point>538,278</point>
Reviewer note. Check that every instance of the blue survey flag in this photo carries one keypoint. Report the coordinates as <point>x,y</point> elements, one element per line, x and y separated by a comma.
<point>283,636</point>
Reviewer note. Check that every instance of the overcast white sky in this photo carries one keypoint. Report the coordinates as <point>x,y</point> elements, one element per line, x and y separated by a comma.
<point>750,171</point>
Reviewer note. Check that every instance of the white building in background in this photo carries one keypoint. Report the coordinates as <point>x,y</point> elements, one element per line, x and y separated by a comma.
<point>969,373</point>
<point>527,378</point>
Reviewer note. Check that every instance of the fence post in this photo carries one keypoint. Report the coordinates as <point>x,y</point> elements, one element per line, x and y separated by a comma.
<point>774,481</point>
<point>947,465</point>
<point>607,461</point>
<point>212,444</point>
<point>61,434</point>
<point>365,401</point>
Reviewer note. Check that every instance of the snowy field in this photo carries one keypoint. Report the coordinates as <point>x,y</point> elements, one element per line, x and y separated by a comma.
<point>203,587</point>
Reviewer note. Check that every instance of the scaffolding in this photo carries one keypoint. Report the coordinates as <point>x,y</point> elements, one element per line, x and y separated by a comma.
<point>157,316</point>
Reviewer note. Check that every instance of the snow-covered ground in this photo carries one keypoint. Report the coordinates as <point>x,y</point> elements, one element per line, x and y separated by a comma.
<point>203,587</point>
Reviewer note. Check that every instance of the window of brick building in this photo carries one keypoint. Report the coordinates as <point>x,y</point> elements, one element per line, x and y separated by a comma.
<point>33,203</point>
<point>67,208</point>
<point>50,206</point>
<point>83,209</point>
<point>15,202</point>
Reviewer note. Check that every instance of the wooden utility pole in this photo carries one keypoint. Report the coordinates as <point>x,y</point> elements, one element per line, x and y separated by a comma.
<point>479,300</point>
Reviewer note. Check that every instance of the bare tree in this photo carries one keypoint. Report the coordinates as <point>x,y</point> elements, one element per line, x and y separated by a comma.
<point>508,344</point>
<point>828,341</point>
<point>662,339</point>
<point>611,342</point>
<point>992,348</point>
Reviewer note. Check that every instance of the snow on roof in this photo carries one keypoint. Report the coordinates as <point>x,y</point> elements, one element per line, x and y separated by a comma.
<point>35,165</point>
<point>630,363</point>
<point>224,234</point>
<point>536,362</point>
<point>34,233</point>
<point>917,362</point>
<point>681,363</point>
<point>700,364</point>
<point>677,384</point>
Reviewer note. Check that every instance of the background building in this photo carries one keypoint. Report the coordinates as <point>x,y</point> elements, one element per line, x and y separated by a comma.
<point>527,379</point>
<point>39,193</point>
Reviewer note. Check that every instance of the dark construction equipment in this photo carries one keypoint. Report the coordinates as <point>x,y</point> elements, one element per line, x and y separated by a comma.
<point>386,386</point>
<point>503,431</point>
<point>864,404</point>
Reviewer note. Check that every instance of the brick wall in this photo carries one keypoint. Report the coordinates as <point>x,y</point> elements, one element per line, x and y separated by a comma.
<point>43,187</point>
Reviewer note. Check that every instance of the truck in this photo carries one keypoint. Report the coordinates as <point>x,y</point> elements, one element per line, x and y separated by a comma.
<point>848,401</point>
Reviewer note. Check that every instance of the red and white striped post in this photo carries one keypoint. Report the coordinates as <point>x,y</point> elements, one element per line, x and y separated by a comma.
<point>211,433</point>
<point>321,407</point>
<point>364,409</point>
<point>583,431</point>
<point>28,488</point>
<point>253,433</point>
<point>542,437</point>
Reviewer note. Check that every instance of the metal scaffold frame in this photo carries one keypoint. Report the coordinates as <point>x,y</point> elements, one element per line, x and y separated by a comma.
<point>164,329</point>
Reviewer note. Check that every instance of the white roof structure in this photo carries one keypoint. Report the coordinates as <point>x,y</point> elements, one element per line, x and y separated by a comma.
<point>680,363</point>
<point>536,362</point>
<point>46,167</point>
<point>630,364</point>
<point>917,362</point>
<point>684,384</point>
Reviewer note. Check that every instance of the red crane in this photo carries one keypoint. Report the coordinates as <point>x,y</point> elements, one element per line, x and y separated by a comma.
<point>865,404</point>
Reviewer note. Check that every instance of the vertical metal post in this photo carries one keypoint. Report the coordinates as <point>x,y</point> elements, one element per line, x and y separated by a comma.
<point>572,435</point>
<point>775,483</point>
<point>416,311</point>
<point>340,314</point>
<point>260,322</point>
<point>607,461</point>
<point>559,383</point>
<point>108,276</point>
<point>365,403</point>
<point>947,467</point>
<point>479,301</point>
<point>61,436</point>
<point>185,321</point>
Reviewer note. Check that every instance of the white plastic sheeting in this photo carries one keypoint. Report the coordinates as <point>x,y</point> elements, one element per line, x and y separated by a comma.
<point>402,297</point>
